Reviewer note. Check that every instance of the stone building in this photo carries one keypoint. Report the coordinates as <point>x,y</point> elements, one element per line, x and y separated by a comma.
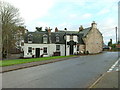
<point>93,39</point>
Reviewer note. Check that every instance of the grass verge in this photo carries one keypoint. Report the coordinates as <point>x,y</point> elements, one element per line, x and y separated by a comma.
<point>21,61</point>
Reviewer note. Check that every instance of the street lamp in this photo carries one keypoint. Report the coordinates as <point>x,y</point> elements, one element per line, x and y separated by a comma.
<point>65,40</point>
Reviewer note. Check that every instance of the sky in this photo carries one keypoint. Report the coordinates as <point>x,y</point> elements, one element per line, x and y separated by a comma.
<point>70,14</point>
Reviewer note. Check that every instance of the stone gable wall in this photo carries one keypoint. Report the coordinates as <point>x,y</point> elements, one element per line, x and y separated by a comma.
<point>94,41</point>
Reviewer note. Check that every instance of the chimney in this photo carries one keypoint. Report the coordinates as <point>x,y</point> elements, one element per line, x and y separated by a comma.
<point>56,29</point>
<point>80,28</point>
<point>49,30</point>
<point>94,25</point>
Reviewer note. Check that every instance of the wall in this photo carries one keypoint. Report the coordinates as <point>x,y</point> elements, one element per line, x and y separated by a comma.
<point>67,50</point>
<point>81,48</point>
<point>50,49</point>
<point>75,38</point>
<point>94,41</point>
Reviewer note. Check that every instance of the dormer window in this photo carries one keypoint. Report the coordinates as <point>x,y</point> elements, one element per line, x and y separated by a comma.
<point>45,38</point>
<point>30,38</point>
<point>57,38</point>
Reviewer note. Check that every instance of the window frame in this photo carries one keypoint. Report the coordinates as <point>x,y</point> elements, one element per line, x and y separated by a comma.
<point>57,39</point>
<point>57,48</point>
<point>29,49</point>
<point>30,37</point>
<point>45,50</point>
<point>45,39</point>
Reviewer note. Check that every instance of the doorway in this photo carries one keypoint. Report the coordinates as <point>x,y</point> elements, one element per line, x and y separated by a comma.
<point>37,52</point>
<point>71,49</point>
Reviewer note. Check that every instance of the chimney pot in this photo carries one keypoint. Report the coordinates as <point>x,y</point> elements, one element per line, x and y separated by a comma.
<point>56,29</point>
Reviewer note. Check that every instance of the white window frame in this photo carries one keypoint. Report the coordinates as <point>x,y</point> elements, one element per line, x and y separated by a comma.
<point>45,40</point>
<point>57,48</point>
<point>57,39</point>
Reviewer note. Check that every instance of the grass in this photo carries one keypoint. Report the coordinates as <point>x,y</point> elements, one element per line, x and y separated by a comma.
<point>21,61</point>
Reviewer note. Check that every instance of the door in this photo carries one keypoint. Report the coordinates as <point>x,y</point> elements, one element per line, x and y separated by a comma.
<point>71,49</point>
<point>37,52</point>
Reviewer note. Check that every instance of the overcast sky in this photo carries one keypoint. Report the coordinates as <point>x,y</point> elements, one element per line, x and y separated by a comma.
<point>70,14</point>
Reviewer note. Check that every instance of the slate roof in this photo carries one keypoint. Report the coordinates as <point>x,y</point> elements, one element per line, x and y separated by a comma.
<point>60,35</point>
<point>85,31</point>
<point>37,37</point>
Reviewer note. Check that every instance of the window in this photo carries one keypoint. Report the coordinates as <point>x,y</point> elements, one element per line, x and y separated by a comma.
<point>29,49</point>
<point>29,38</point>
<point>45,50</point>
<point>22,43</point>
<point>57,39</point>
<point>45,38</point>
<point>71,37</point>
<point>57,47</point>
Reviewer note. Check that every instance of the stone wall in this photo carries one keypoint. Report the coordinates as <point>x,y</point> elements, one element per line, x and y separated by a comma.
<point>82,48</point>
<point>94,41</point>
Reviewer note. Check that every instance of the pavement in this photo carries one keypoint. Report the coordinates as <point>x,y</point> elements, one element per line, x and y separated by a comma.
<point>31,64</point>
<point>110,79</point>
<point>107,80</point>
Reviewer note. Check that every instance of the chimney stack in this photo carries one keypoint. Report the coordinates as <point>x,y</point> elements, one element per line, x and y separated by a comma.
<point>80,28</point>
<point>48,30</point>
<point>94,25</point>
<point>56,29</point>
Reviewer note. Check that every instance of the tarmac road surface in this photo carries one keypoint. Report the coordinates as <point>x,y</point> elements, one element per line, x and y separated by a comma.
<point>73,73</point>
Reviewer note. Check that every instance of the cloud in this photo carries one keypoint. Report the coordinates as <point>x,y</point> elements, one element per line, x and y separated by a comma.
<point>38,24</point>
<point>107,28</point>
<point>64,25</point>
<point>79,16</point>
<point>69,14</point>
<point>103,11</point>
<point>32,9</point>
<point>108,22</point>
<point>73,16</point>
<point>86,16</point>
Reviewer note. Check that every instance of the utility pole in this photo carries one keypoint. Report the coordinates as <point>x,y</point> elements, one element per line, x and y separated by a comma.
<point>116,34</point>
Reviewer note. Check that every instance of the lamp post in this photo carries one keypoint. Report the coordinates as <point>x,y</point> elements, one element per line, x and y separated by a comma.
<point>65,40</point>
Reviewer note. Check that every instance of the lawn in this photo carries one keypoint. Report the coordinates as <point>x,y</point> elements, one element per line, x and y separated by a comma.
<point>21,61</point>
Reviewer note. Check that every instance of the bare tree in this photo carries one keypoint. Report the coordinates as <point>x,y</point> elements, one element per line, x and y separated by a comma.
<point>0,36</point>
<point>10,22</point>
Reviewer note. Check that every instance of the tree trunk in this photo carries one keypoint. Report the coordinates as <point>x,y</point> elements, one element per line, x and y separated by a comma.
<point>0,39</point>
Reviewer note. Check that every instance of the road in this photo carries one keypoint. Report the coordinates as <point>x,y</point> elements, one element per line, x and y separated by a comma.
<point>73,73</point>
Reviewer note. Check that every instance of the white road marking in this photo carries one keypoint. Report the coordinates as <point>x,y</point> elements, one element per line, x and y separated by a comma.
<point>117,69</point>
<point>115,65</point>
